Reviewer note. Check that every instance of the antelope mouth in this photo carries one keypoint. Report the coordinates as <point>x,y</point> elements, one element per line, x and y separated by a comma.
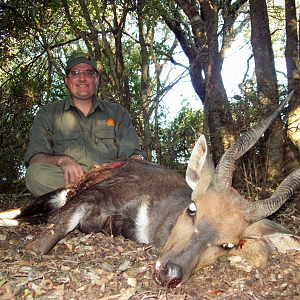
<point>169,275</point>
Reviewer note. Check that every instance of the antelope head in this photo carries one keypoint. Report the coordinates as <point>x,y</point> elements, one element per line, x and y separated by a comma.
<point>218,217</point>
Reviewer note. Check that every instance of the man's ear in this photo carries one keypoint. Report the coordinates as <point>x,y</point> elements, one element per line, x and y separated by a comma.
<point>66,79</point>
<point>97,80</point>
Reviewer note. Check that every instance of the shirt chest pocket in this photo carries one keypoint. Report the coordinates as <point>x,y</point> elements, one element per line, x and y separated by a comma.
<point>66,142</point>
<point>106,143</point>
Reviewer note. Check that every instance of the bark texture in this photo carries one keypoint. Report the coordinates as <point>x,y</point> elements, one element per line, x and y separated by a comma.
<point>267,85</point>
<point>292,64</point>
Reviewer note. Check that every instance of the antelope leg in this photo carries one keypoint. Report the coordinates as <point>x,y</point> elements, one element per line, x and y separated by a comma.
<point>58,227</point>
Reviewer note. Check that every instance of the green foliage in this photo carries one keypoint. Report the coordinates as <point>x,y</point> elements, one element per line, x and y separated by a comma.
<point>16,118</point>
<point>179,137</point>
<point>28,77</point>
<point>37,37</point>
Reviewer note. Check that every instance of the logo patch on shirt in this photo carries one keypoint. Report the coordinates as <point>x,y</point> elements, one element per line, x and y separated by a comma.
<point>110,122</point>
<point>101,122</point>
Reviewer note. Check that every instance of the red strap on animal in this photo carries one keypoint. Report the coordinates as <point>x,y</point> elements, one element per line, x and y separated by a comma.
<point>116,165</point>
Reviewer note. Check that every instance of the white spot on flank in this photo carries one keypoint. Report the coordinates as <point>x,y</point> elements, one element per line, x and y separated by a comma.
<point>77,216</point>
<point>59,199</point>
<point>141,223</point>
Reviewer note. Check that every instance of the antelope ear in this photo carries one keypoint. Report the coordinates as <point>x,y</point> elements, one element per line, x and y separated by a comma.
<point>200,167</point>
<point>263,238</point>
<point>265,227</point>
<point>275,235</point>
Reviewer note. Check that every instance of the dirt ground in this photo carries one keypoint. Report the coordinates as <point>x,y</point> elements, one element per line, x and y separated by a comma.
<point>97,266</point>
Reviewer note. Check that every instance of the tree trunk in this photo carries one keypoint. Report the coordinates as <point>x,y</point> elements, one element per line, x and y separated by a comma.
<point>144,82</point>
<point>202,49</point>
<point>292,65</point>
<point>216,106</point>
<point>267,86</point>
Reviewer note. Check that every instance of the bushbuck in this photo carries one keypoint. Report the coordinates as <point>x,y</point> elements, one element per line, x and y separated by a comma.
<point>197,220</point>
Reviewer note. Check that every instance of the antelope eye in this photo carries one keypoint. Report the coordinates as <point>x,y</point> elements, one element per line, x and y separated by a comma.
<point>228,246</point>
<point>191,210</point>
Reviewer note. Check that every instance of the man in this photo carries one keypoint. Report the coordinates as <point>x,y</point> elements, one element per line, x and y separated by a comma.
<point>68,137</point>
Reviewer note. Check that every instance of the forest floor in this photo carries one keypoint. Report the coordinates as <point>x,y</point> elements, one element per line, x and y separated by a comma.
<point>97,266</point>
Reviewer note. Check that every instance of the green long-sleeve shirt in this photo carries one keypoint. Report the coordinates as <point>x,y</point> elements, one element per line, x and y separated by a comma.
<point>105,134</point>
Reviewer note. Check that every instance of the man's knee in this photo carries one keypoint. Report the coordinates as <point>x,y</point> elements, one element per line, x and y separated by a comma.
<point>43,178</point>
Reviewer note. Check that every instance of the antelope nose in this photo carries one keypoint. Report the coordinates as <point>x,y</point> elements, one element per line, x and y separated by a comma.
<point>169,275</point>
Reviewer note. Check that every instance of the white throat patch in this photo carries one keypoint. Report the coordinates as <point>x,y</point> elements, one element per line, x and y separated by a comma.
<point>141,224</point>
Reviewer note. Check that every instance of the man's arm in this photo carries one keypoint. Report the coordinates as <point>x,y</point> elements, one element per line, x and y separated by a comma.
<point>128,139</point>
<point>41,143</point>
<point>71,168</point>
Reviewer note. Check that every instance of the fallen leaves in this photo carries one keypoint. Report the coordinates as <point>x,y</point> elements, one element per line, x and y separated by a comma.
<point>97,266</point>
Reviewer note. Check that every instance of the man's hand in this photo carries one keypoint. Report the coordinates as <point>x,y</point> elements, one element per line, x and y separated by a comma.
<point>71,168</point>
<point>136,156</point>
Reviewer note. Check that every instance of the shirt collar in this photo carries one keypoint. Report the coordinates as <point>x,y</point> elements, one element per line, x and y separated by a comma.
<point>68,103</point>
<point>96,103</point>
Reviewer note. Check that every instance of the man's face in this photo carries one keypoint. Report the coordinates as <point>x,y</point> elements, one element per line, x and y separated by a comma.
<point>81,87</point>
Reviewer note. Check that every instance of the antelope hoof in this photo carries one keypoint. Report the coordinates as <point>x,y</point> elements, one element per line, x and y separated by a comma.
<point>38,248</point>
<point>32,247</point>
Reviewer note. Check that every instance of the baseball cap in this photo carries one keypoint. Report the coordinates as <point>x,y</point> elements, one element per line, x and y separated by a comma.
<point>81,57</point>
